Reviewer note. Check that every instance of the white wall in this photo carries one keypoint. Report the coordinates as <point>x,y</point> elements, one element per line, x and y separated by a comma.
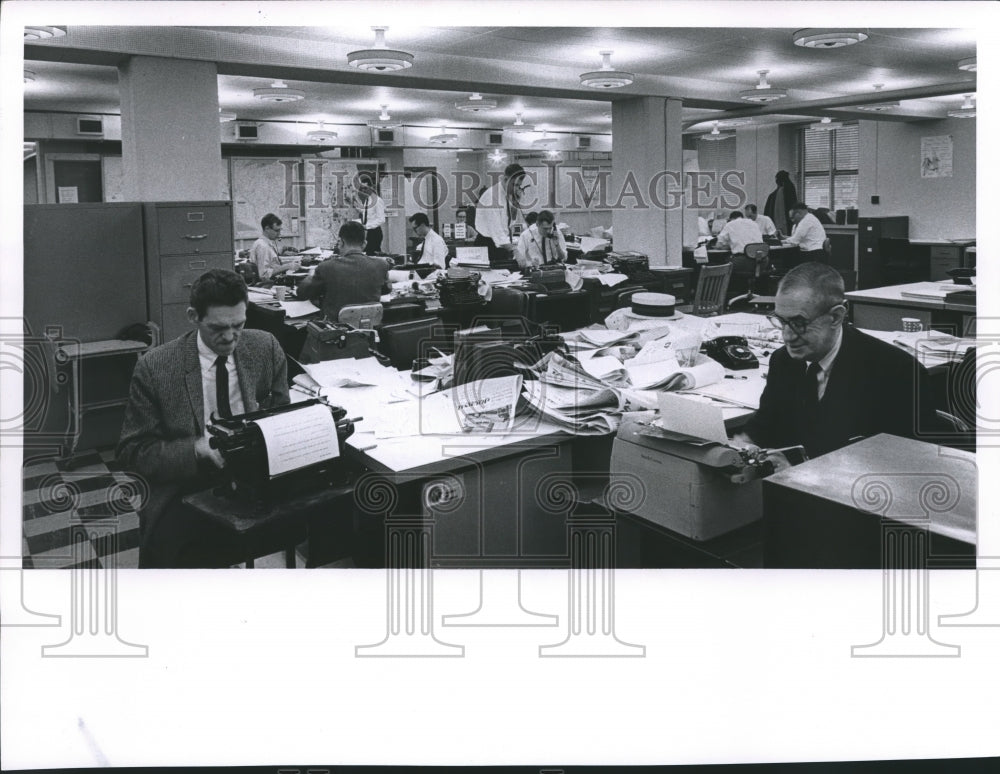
<point>939,208</point>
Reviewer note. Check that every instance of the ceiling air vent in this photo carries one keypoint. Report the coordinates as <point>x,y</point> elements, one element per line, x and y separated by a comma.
<point>92,126</point>
<point>385,136</point>
<point>246,131</point>
<point>494,139</point>
<point>582,142</point>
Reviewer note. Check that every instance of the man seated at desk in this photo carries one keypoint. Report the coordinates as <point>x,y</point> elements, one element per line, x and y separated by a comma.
<point>266,252</point>
<point>541,243</point>
<point>831,383</point>
<point>433,250</point>
<point>808,234</point>
<point>348,278</point>
<point>738,233</point>
<point>217,368</point>
<point>764,223</point>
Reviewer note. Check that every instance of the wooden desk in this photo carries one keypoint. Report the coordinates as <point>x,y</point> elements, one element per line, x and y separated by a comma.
<point>881,309</point>
<point>833,511</point>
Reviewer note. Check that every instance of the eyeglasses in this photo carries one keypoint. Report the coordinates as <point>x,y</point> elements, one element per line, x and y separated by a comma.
<point>799,325</point>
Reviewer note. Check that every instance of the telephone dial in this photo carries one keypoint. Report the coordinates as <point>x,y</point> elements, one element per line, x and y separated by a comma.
<point>732,352</point>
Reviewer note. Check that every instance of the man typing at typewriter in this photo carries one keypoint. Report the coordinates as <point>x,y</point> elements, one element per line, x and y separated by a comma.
<point>217,368</point>
<point>541,243</point>
<point>831,383</point>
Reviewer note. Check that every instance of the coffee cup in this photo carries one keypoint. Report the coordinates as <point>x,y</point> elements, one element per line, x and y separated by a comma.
<point>912,325</point>
<point>280,291</point>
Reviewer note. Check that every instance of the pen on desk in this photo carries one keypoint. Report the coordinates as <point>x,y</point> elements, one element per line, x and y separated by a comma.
<point>732,376</point>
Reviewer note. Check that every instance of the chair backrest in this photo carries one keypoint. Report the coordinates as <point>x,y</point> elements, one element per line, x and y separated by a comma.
<point>758,252</point>
<point>404,342</point>
<point>361,315</point>
<point>710,294</point>
<point>506,302</point>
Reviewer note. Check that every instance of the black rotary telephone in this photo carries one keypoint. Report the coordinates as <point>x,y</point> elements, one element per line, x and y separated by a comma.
<point>732,352</point>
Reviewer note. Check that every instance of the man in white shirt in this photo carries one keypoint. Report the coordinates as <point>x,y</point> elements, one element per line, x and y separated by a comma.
<point>433,250</point>
<point>541,243</point>
<point>764,223</point>
<point>808,234</point>
<point>497,211</point>
<point>371,211</point>
<point>266,252</point>
<point>738,233</point>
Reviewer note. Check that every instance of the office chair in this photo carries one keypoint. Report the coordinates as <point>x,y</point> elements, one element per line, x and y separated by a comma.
<point>752,265</point>
<point>366,316</point>
<point>506,302</point>
<point>404,342</point>
<point>710,294</point>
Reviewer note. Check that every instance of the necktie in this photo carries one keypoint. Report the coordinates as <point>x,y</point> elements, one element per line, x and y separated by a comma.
<point>810,388</point>
<point>364,216</point>
<point>544,258</point>
<point>222,387</point>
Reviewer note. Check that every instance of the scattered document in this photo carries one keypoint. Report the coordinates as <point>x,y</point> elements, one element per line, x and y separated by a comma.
<point>297,309</point>
<point>296,439</point>
<point>700,420</point>
<point>591,243</point>
<point>472,256</point>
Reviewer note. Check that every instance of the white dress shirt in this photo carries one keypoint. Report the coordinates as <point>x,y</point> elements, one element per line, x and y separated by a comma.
<point>372,211</point>
<point>826,364</point>
<point>808,233</point>
<point>494,215</point>
<point>206,358</point>
<point>738,234</point>
<point>528,251</point>
<point>434,249</point>
<point>766,225</point>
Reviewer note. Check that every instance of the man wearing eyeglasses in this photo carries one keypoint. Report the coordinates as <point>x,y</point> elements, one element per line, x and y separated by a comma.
<point>267,251</point>
<point>830,383</point>
<point>808,234</point>
<point>498,209</point>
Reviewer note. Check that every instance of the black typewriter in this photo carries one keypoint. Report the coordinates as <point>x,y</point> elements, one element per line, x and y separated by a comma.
<point>633,265</point>
<point>241,441</point>
<point>459,291</point>
<point>548,279</point>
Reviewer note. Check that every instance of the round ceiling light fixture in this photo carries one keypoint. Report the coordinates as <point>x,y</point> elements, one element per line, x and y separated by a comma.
<point>384,121</point>
<point>43,33</point>
<point>476,104</point>
<point>968,65</point>
<point>763,92</point>
<point>828,38</point>
<point>519,127</point>
<point>380,59</point>
<point>443,137</point>
<point>322,134</point>
<point>825,124</point>
<point>715,134</point>
<point>279,91</point>
<point>878,107</point>
<point>226,116</point>
<point>968,109</point>
<point>607,77</point>
<point>545,141</point>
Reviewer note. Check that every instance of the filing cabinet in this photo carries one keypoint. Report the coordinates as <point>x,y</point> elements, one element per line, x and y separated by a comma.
<point>183,240</point>
<point>870,232</point>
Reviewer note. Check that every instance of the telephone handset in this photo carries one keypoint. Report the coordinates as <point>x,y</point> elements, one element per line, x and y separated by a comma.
<point>732,352</point>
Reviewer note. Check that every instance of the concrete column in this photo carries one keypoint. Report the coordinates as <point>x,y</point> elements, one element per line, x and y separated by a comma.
<point>647,144</point>
<point>757,156</point>
<point>171,143</point>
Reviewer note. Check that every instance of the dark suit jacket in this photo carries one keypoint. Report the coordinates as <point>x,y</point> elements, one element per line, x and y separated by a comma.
<point>873,388</point>
<point>165,412</point>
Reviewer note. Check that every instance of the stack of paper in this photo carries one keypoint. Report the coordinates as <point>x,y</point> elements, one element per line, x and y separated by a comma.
<point>934,344</point>
<point>584,412</point>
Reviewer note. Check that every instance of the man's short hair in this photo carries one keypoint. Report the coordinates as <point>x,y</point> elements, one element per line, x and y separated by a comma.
<point>217,287</point>
<point>752,208</point>
<point>735,215</point>
<point>800,207</point>
<point>822,279</point>
<point>269,221</point>
<point>419,219</point>
<point>531,217</point>
<point>546,216</point>
<point>513,171</point>
<point>352,232</point>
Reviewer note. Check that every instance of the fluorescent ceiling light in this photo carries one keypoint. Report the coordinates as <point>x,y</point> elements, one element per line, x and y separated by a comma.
<point>828,38</point>
<point>279,92</point>
<point>384,121</point>
<point>715,134</point>
<point>826,125</point>
<point>969,65</point>
<point>42,33</point>
<point>226,115</point>
<point>968,109</point>
<point>380,59</point>
<point>727,123</point>
<point>763,92</point>
<point>607,77</point>
<point>878,107</point>
<point>519,127</point>
<point>476,104</point>
<point>322,134</point>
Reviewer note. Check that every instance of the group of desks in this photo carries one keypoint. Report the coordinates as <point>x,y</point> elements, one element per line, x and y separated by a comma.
<point>520,499</point>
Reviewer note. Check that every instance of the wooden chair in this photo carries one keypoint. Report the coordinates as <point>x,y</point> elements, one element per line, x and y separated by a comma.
<point>710,294</point>
<point>753,264</point>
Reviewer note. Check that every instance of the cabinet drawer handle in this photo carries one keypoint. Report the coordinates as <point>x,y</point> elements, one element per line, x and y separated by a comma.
<point>197,264</point>
<point>187,284</point>
<point>195,236</point>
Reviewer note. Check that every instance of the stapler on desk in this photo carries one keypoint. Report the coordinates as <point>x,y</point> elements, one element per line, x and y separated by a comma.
<point>250,443</point>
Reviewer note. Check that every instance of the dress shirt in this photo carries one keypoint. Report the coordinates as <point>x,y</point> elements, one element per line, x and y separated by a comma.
<point>434,250</point>
<point>372,211</point>
<point>826,364</point>
<point>206,359</point>
<point>765,224</point>
<point>808,234</point>
<point>494,215</point>
<point>738,234</point>
<point>265,254</point>
<point>528,252</point>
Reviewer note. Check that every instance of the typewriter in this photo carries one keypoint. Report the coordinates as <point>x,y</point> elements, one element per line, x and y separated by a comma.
<point>633,265</point>
<point>457,290</point>
<point>282,451</point>
<point>548,279</point>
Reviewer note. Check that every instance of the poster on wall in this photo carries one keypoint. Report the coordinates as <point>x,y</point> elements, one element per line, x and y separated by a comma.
<point>935,156</point>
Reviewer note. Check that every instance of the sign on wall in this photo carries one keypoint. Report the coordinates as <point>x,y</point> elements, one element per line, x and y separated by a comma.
<point>936,156</point>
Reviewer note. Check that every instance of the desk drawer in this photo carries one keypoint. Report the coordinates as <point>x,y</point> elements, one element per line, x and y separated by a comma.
<point>184,230</point>
<point>941,266</point>
<point>945,252</point>
<point>177,274</point>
